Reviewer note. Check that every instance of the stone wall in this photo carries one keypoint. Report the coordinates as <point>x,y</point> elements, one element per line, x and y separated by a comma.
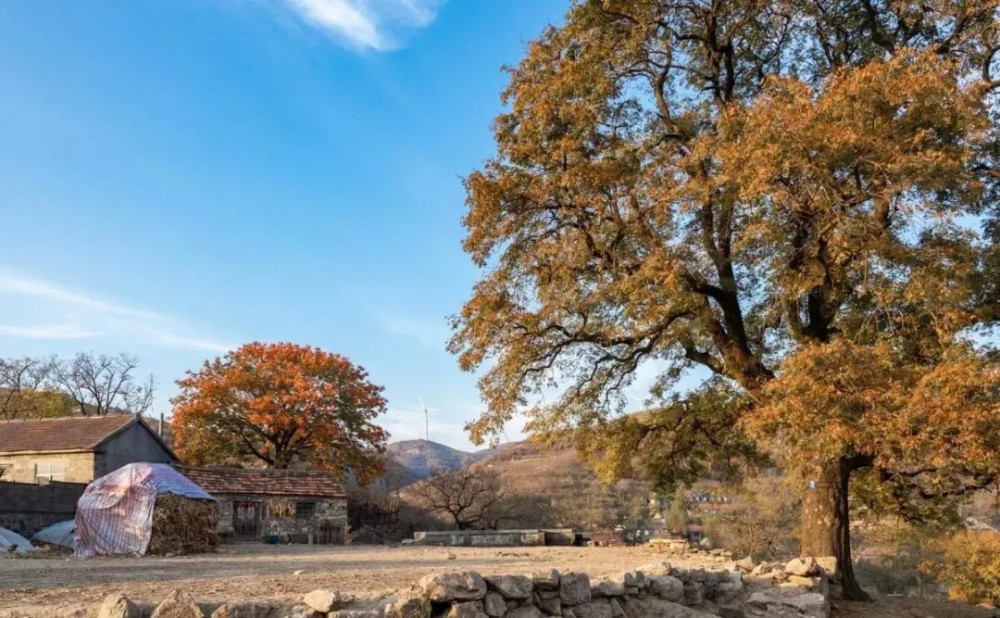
<point>656,590</point>
<point>26,508</point>
<point>277,517</point>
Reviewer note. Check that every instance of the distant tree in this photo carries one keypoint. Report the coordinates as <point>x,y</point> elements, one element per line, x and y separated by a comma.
<point>28,389</point>
<point>798,198</point>
<point>279,404</point>
<point>677,518</point>
<point>103,384</point>
<point>469,497</point>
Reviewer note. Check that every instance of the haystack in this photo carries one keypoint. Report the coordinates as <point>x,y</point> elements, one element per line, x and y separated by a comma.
<point>183,525</point>
<point>144,508</point>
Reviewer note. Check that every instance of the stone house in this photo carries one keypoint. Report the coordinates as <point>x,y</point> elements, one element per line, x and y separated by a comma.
<point>287,506</point>
<point>76,449</point>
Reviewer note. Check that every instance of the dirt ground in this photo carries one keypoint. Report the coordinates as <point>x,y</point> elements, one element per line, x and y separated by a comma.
<point>252,572</point>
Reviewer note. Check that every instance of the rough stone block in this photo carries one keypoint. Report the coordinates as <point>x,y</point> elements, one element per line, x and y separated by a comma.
<point>511,586</point>
<point>574,588</point>
<point>178,604</point>
<point>667,587</point>
<point>448,587</point>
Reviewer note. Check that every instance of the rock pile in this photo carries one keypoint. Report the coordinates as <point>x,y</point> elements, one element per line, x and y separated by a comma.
<point>798,589</point>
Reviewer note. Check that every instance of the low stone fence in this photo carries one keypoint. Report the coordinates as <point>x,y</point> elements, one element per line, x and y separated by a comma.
<point>26,508</point>
<point>495,538</point>
<point>797,590</point>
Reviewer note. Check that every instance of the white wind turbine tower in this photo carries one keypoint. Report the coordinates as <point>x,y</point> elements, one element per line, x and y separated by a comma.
<point>427,423</point>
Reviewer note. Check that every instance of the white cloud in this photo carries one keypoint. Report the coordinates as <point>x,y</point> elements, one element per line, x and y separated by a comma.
<point>366,24</point>
<point>87,315</point>
<point>430,333</point>
<point>48,331</point>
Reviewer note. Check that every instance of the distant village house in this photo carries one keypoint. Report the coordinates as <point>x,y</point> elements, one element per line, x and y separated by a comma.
<point>76,449</point>
<point>287,506</point>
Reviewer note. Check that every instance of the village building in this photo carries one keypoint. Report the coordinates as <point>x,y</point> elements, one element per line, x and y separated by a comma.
<point>76,449</point>
<point>286,506</point>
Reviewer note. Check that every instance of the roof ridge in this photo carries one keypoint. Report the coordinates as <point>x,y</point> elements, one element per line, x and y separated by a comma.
<point>65,418</point>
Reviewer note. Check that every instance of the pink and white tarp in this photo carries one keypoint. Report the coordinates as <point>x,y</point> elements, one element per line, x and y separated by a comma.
<point>115,513</point>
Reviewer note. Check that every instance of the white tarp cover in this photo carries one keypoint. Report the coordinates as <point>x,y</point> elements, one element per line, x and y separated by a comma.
<point>115,513</point>
<point>9,539</point>
<point>62,534</point>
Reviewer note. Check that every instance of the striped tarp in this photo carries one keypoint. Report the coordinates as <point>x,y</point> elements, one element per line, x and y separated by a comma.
<point>115,513</point>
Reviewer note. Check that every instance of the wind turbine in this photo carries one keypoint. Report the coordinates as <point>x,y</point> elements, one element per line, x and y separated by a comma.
<point>427,422</point>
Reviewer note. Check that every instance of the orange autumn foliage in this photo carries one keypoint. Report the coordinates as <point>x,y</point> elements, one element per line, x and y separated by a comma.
<point>280,404</point>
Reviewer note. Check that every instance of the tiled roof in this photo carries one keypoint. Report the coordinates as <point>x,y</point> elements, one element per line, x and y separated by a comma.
<point>257,481</point>
<point>60,434</point>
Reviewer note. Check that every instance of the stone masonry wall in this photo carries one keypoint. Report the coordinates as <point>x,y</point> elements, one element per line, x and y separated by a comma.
<point>800,589</point>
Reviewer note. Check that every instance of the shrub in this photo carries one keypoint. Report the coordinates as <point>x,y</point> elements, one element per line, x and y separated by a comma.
<point>971,567</point>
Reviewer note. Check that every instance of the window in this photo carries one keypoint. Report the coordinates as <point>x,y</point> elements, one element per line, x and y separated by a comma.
<point>305,510</point>
<point>50,471</point>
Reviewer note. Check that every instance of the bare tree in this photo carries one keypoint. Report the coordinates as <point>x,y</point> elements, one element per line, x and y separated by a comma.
<point>470,497</point>
<point>102,384</point>
<point>28,388</point>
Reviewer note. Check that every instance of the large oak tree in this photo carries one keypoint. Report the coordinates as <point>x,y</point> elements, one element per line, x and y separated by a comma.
<point>797,197</point>
<point>281,404</point>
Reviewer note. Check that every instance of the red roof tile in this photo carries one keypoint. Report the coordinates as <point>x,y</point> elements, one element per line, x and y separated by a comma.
<point>59,434</point>
<point>258,481</point>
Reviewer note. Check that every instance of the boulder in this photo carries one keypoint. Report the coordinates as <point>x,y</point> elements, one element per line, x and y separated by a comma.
<point>548,601</point>
<point>811,604</point>
<point>528,611</point>
<point>511,586</point>
<point>616,609</point>
<point>827,563</point>
<point>467,609</point>
<point>245,610</point>
<point>694,594</point>
<point>730,611</point>
<point>803,567</point>
<point>606,588</point>
<point>448,587</point>
<point>652,607</point>
<point>494,604</point>
<point>117,606</point>
<point>745,564</point>
<point>574,589</point>
<point>655,568</point>
<point>409,605</point>
<point>178,604</point>
<point>634,579</point>
<point>597,609</point>
<point>666,587</point>
<point>323,601</point>
<point>546,580</point>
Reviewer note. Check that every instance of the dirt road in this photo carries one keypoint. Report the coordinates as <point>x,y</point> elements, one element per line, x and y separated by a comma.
<point>257,572</point>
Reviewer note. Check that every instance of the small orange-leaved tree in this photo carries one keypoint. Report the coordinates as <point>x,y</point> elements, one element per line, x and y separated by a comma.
<point>279,404</point>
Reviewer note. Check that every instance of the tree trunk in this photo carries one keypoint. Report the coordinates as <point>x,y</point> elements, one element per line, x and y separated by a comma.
<point>826,524</point>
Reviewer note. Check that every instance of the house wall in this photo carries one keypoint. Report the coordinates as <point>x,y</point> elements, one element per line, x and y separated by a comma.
<point>79,467</point>
<point>277,517</point>
<point>26,508</point>
<point>132,445</point>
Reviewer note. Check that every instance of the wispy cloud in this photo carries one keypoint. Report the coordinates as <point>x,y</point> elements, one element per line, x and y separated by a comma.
<point>366,24</point>
<point>48,331</point>
<point>88,315</point>
<point>430,333</point>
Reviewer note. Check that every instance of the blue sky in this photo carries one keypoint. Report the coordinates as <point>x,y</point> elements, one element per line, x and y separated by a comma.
<point>178,177</point>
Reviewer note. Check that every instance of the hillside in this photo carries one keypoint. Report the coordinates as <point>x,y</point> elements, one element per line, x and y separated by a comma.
<point>422,457</point>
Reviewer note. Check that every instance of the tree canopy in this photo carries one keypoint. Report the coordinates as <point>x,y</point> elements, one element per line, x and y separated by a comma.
<point>275,405</point>
<point>796,197</point>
